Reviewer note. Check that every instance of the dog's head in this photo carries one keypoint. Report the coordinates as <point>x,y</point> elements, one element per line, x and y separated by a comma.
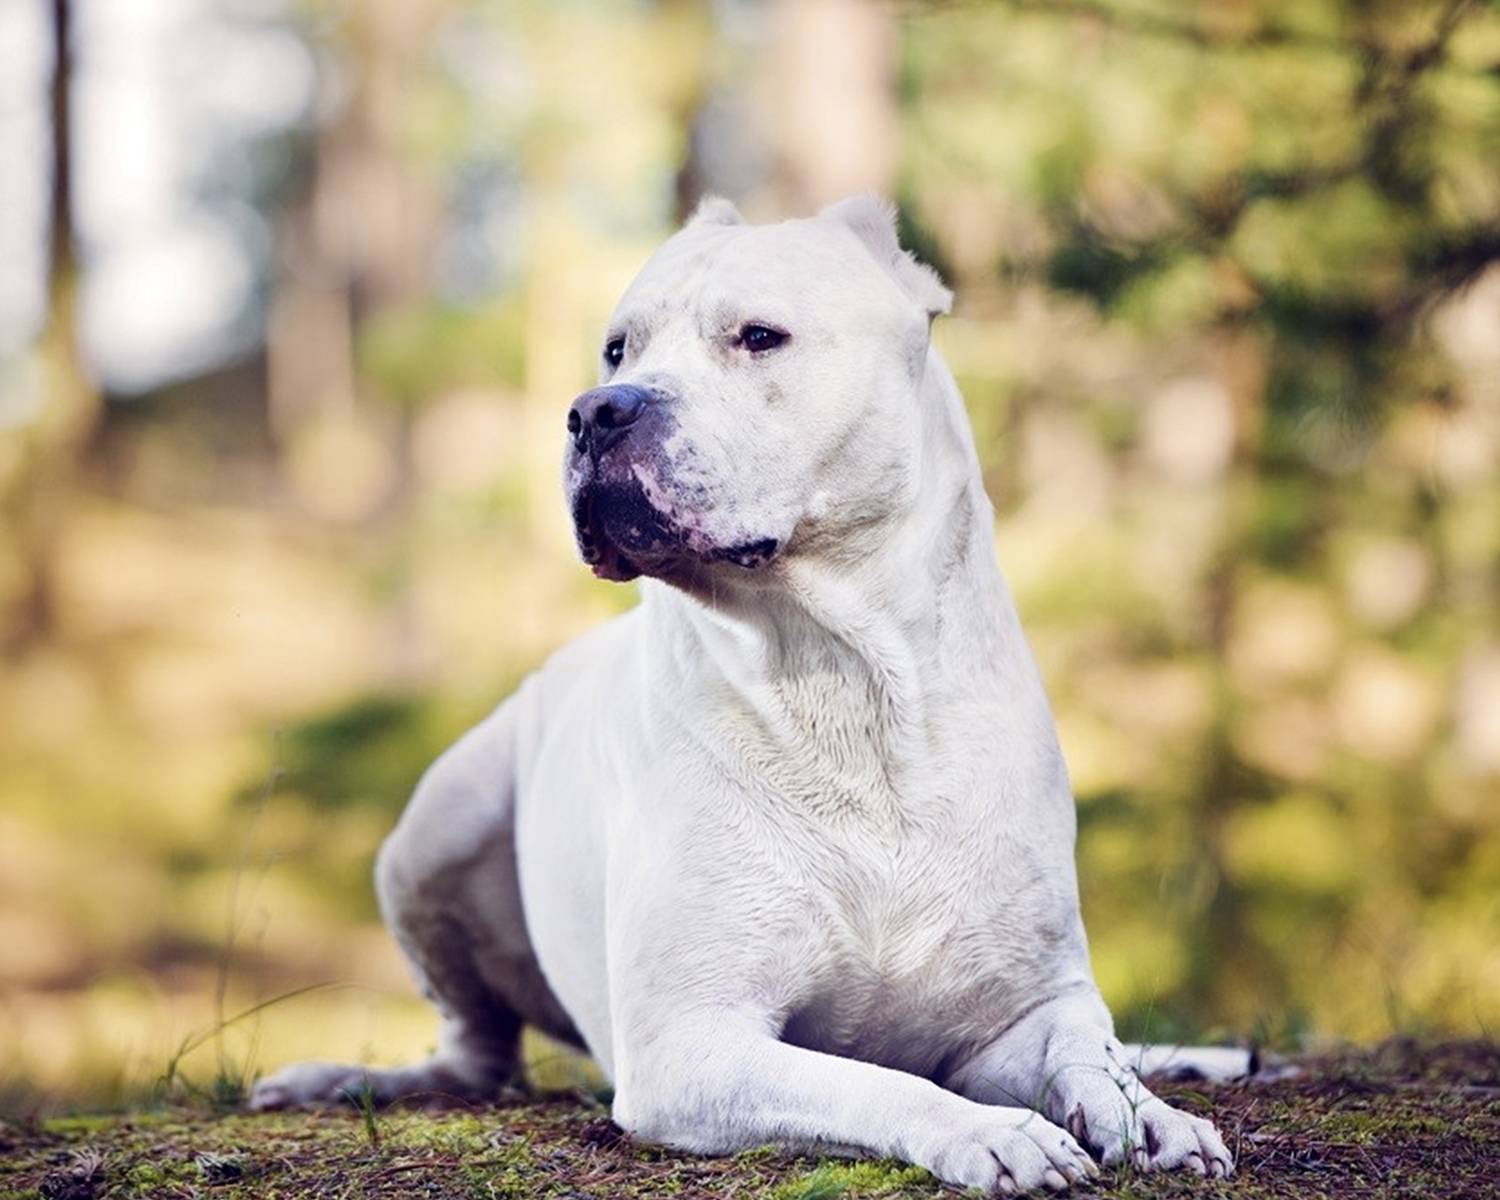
<point>758,392</point>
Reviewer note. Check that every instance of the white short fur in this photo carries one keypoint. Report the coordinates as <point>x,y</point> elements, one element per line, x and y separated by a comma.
<point>789,850</point>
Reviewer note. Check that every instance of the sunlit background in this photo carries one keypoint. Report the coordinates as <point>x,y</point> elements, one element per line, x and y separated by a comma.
<point>294,295</point>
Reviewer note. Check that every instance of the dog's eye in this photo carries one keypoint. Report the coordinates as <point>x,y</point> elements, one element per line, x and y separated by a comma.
<point>758,338</point>
<point>614,352</point>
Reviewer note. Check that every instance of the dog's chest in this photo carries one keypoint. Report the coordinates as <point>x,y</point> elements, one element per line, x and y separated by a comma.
<point>922,946</point>
<point>921,869</point>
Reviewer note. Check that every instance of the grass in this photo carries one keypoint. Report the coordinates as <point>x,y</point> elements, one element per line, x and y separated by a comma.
<point>1403,1120</point>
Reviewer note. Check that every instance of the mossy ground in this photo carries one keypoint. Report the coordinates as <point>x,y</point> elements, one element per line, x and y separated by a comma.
<point>1400,1121</point>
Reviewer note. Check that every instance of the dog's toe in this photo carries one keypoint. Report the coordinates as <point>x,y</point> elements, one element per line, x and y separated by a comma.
<point>306,1085</point>
<point>1152,1136</point>
<point>268,1096</point>
<point>1011,1152</point>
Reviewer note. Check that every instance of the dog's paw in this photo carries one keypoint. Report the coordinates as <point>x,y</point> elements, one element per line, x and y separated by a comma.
<point>1150,1133</point>
<point>1009,1151</point>
<point>308,1085</point>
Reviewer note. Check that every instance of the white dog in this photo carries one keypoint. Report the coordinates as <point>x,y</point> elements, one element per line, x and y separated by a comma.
<point>789,847</point>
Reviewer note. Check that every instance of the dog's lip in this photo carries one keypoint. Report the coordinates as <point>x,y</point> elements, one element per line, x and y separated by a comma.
<point>603,557</point>
<point>749,556</point>
<point>607,560</point>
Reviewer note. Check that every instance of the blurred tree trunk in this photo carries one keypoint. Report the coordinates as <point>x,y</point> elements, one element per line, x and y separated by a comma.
<point>43,488</point>
<point>360,248</point>
<point>833,96</point>
<point>1224,950</point>
<point>728,152</point>
<point>360,241</point>
<point>802,109</point>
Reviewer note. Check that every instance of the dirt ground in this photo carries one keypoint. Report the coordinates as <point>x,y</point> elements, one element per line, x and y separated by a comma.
<point>1401,1120</point>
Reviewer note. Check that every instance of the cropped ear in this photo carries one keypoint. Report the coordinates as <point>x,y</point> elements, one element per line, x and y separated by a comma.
<point>715,210</point>
<point>873,220</point>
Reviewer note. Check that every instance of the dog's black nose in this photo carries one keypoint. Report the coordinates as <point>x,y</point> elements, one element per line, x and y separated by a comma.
<point>600,418</point>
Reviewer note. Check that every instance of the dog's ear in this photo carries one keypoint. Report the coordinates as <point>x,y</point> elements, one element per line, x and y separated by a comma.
<point>715,210</point>
<point>873,221</point>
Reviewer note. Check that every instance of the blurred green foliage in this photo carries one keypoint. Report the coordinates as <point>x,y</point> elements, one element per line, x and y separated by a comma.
<point>1288,205</point>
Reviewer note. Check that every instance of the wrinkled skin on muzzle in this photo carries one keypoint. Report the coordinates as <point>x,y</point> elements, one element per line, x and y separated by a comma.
<point>632,516</point>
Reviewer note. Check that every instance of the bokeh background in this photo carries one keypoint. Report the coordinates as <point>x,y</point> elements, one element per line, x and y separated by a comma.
<point>295,294</point>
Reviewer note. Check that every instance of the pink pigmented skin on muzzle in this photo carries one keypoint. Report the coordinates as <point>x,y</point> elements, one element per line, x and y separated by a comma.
<point>630,517</point>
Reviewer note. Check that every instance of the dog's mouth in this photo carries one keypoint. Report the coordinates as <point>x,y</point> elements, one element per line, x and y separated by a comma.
<point>621,534</point>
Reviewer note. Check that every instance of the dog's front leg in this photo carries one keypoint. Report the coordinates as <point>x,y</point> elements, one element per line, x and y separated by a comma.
<point>1063,1059</point>
<point>724,1085</point>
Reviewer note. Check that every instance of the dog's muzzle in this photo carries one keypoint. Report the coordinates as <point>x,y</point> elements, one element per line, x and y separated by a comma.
<point>615,437</point>
<point>629,518</point>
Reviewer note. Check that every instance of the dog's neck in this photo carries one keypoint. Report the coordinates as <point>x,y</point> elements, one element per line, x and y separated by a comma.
<point>860,666</point>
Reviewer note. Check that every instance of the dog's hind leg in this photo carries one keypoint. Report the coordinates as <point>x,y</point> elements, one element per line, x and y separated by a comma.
<point>447,883</point>
<point>1186,1064</point>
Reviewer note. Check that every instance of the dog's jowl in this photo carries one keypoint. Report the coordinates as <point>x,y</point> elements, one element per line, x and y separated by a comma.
<point>788,848</point>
